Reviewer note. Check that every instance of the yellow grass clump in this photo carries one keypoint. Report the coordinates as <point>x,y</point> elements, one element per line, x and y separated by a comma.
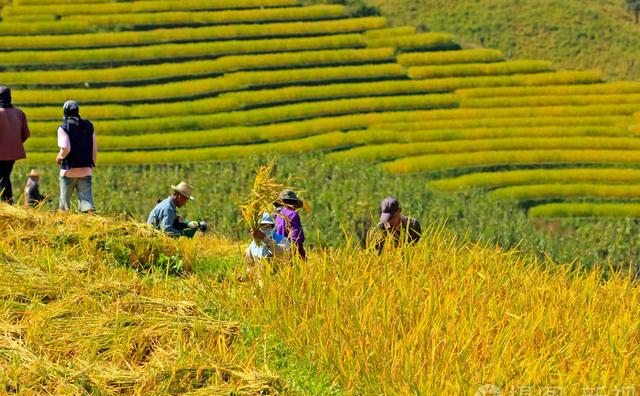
<point>446,317</point>
<point>76,319</point>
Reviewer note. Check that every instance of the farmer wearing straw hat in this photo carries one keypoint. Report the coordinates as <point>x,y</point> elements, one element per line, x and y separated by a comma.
<point>288,220</point>
<point>32,196</point>
<point>14,131</point>
<point>77,158</point>
<point>393,225</point>
<point>267,243</point>
<point>165,218</point>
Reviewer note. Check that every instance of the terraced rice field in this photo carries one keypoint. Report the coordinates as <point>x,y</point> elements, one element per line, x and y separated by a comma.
<point>195,80</point>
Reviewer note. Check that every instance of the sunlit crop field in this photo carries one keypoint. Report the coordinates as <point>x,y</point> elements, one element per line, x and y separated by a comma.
<point>176,81</point>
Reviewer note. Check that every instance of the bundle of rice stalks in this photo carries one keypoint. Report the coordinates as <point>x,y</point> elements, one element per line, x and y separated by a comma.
<point>264,193</point>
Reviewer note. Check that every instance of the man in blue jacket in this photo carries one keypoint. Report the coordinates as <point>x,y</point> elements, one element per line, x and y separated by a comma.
<point>164,216</point>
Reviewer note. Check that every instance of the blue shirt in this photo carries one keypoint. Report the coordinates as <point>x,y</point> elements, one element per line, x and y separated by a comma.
<point>163,216</point>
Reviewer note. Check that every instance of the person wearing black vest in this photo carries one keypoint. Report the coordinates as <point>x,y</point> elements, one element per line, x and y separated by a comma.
<point>77,156</point>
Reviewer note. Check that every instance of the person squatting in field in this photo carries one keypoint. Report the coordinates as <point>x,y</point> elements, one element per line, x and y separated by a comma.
<point>393,225</point>
<point>32,196</point>
<point>164,216</point>
<point>288,220</point>
<point>267,243</point>
<point>77,158</point>
<point>14,131</point>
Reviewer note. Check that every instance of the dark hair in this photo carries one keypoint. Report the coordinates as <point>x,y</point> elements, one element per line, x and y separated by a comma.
<point>5,97</point>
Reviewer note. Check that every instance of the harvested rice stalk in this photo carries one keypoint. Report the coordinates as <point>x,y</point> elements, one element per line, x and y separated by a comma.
<point>263,194</point>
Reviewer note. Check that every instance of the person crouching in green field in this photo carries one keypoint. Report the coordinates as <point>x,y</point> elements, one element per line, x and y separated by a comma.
<point>164,216</point>
<point>32,196</point>
<point>393,226</point>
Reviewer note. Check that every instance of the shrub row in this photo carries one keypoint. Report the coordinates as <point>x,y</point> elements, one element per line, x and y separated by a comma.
<point>547,191</point>
<point>618,87</point>
<point>537,176</point>
<point>258,116</point>
<point>479,69</point>
<point>193,69</point>
<point>585,210</point>
<point>476,55</point>
<point>395,150</point>
<point>517,157</point>
<point>206,33</point>
<point>235,81</point>
<point>140,6</point>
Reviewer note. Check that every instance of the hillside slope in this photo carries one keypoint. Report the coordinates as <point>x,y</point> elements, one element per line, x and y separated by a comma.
<point>574,34</point>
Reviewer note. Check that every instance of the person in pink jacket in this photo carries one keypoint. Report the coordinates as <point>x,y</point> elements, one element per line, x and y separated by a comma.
<point>14,131</point>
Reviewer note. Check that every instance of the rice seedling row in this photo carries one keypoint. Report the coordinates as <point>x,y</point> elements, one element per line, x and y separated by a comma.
<point>611,88</point>
<point>230,82</point>
<point>261,116</point>
<point>191,34</point>
<point>565,190</point>
<point>439,162</point>
<point>537,176</point>
<point>140,6</point>
<point>560,210</point>
<point>171,52</point>
<point>566,100</point>
<point>313,12</point>
<point>372,153</point>
<point>479,69</point>
<point>146,74</point>
<point>321,142</point>
<point>476,55</point>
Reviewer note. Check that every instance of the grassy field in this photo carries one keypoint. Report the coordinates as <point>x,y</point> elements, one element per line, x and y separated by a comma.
<point>345,197</point>
<point>524,177</point>
<point>100,306</point>
<point>94,305</point>
<point>574,34</point>
<point>232,80</point>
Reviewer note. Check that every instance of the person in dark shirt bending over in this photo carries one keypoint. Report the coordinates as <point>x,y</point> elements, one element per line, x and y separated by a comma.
<point>393,226</point>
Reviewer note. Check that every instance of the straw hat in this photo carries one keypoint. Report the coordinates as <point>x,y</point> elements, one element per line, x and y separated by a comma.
<point>34,173</point>
<point>183,189</point>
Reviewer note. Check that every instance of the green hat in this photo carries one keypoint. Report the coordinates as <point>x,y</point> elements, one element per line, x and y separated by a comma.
<point>290,197</point>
